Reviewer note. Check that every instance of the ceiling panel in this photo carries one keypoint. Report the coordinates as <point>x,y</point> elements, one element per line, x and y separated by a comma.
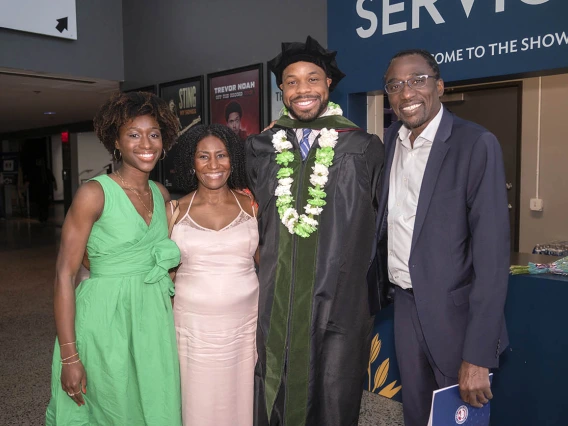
<point>25,97</point>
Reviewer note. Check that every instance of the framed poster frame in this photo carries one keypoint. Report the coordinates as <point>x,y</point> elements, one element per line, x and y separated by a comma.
<point>185,97</point>
<point>241,86</point>
<point>275,102</point>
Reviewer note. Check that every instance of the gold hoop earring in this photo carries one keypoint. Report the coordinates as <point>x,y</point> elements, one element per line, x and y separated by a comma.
<point>164,155</point>
<point>117,157</point>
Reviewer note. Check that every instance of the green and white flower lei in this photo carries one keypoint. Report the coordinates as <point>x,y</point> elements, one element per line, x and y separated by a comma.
<point>305,224</point>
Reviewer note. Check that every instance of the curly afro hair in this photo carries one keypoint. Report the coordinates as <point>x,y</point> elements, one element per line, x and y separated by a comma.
<point>185,156</point>
<point>123,107</point>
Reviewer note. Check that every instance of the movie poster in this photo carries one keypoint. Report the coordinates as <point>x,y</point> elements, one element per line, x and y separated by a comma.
<point>235,98</point>
<point>185,99</point>
<point>276,103</point>
<point>9,167</point>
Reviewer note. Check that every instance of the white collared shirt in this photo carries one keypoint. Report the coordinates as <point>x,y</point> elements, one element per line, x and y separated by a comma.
<point>314,133</point>
<point>405,181</point>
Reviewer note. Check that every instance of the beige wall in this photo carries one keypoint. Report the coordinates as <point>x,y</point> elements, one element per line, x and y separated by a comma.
<point>552,222</point>
<point>376,115</point>
<point>91,155</point>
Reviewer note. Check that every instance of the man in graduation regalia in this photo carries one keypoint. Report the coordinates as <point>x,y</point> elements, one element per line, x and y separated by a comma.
<point>315,176</point>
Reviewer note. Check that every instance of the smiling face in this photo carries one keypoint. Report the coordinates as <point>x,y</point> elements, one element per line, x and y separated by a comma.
<point>305,90</point>
<point>140,143</point>
<point>414,107</point>
<point>212,163</point>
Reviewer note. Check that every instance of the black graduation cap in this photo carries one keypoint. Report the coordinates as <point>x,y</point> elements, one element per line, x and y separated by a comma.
<point>310,51</point>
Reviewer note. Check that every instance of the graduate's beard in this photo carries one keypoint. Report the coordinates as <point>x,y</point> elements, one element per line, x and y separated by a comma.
<point>310,115</point>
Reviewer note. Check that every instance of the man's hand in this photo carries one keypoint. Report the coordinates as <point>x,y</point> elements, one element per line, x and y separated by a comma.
<point>475,388</point>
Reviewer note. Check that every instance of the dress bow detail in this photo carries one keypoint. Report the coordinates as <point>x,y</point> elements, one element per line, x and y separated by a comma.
<point>167,256</point>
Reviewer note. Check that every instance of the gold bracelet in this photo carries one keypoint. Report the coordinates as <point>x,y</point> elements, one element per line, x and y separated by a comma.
<point>72,362</point>
<point>65,344</point>
<point>69,357</point>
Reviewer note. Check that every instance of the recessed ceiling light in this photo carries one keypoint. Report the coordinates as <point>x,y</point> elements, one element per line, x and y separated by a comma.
<point>50,113</point>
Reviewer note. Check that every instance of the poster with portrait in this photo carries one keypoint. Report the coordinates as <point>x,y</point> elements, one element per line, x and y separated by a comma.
<point>235,99</point>
<point>185,99</point>
<point>275,97</point>
<point>9,167</point>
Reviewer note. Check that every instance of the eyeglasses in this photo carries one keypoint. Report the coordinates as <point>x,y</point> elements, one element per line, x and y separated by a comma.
<point>416,82</point>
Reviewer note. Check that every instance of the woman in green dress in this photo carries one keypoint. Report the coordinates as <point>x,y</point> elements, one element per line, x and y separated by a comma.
<point>115,360</point>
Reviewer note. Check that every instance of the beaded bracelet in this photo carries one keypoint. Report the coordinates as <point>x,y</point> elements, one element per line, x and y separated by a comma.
<point>72,362</point>
<point>69,357</point>
<point>65,344</point>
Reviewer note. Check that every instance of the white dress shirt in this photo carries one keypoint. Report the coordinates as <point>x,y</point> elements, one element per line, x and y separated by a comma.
<point>405,181</point>
<point>314,133</point>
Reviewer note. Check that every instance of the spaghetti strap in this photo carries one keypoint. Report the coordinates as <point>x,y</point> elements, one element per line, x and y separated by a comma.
<point>172,206</point>
<point>240,207</point>
<point>190,203</point>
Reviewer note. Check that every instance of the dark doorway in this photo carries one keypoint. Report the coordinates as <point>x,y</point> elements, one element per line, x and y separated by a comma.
<point>35,158</point>
<point>498,109</point>
<point>66,174</point>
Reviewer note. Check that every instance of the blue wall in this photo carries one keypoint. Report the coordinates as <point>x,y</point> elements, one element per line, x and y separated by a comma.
<point>368,33</point>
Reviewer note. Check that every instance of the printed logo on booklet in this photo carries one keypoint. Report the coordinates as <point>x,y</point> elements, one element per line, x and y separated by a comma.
<point>461,415</point>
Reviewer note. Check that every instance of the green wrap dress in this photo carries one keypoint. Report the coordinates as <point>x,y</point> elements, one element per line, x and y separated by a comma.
<point>124,324</point>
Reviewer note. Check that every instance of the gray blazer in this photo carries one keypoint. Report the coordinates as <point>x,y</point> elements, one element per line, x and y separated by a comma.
<point>459,258</point>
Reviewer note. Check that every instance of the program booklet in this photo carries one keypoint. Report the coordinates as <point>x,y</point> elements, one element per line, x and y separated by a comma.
<point>448,409</point>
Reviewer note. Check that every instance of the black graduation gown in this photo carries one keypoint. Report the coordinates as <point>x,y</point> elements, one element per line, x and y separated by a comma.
<point>315,320</point>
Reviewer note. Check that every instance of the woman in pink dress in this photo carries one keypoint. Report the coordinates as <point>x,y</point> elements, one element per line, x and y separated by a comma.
<point>216,302</point>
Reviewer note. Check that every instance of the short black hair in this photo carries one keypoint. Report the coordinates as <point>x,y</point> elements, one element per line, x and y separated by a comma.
<point>421,52</point>
<point>185,156</point>
<point>233,107</point>
<point>123,107</point>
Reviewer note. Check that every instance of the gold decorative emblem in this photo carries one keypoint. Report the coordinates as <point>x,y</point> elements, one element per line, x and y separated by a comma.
<point>381,373</point>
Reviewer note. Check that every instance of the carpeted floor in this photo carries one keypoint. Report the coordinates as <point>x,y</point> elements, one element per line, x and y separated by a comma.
<point>27,331</point>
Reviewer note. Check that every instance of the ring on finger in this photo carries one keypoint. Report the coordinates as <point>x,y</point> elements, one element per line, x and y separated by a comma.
<point>73,394</point>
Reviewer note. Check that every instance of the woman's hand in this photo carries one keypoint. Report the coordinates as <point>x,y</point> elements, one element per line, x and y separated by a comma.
<point>74,381</point>
<point>270,126</point>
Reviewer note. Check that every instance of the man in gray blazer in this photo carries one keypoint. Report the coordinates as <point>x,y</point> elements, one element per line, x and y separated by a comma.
<point>443,240</point>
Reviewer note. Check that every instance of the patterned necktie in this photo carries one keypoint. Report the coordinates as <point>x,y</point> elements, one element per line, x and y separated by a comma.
<point>305,143</point>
